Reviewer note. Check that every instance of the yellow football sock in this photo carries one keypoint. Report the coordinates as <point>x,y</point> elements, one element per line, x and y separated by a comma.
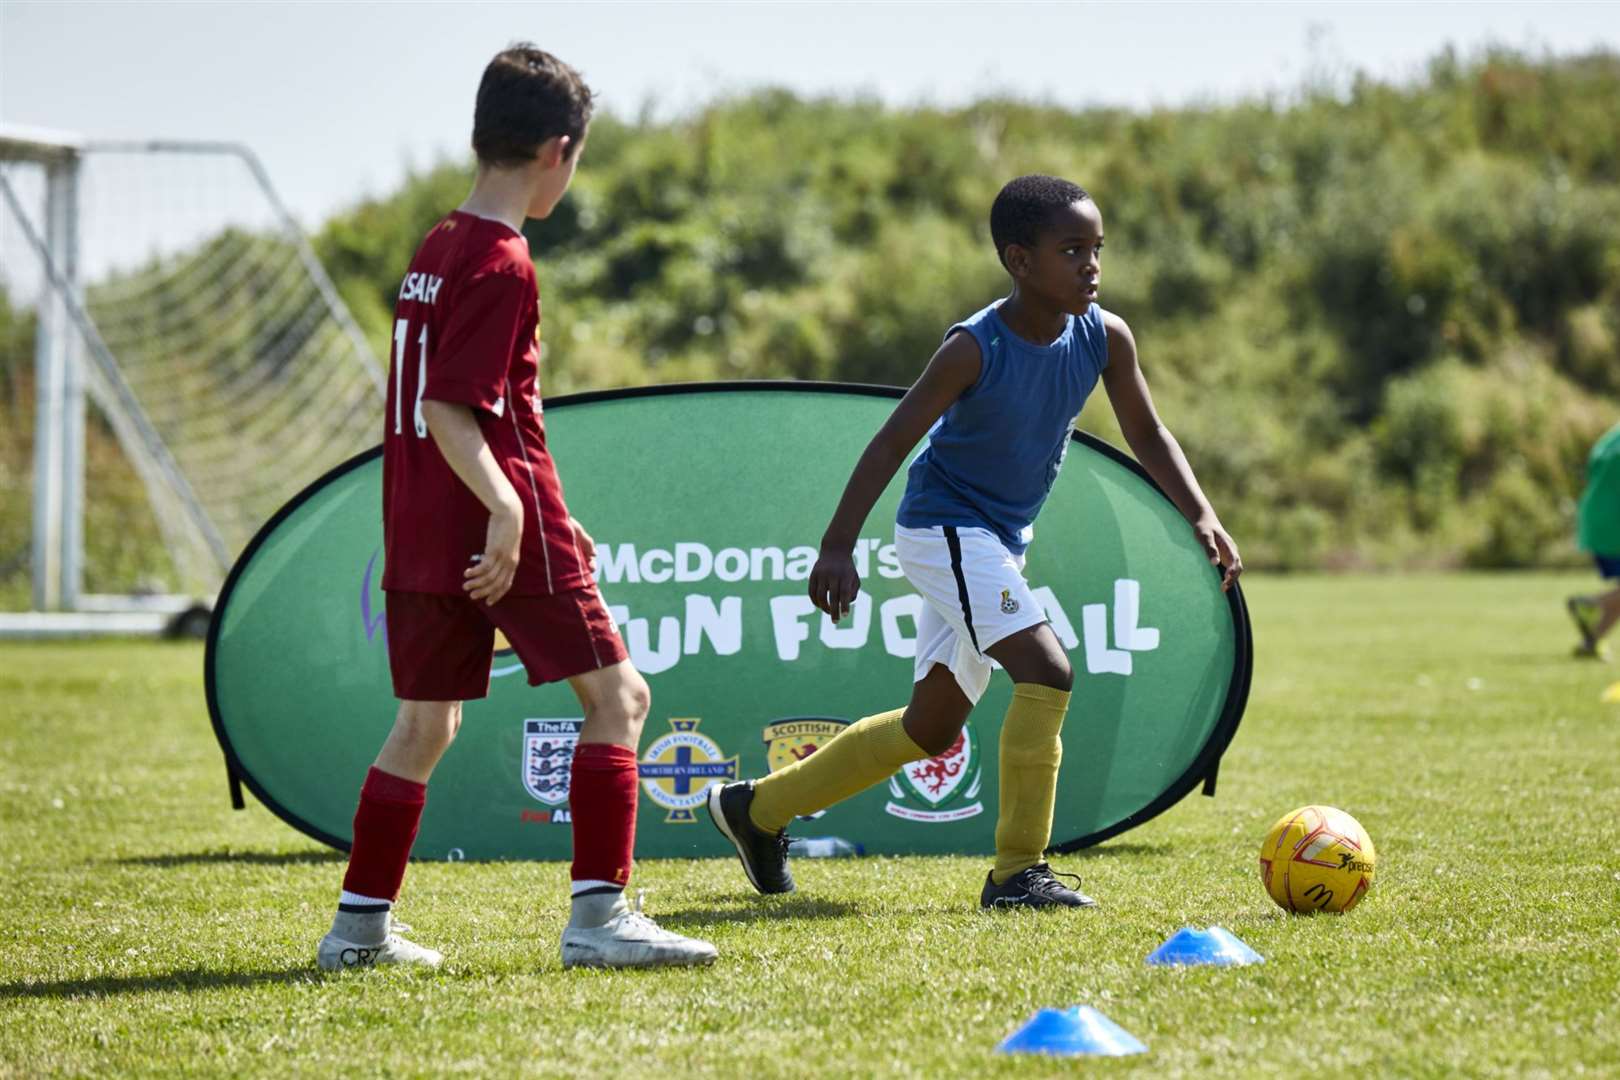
<point>1031,750</point>
<point>859,756</point>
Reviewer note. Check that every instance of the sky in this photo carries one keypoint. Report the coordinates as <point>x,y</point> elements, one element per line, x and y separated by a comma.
<point>340,99</point>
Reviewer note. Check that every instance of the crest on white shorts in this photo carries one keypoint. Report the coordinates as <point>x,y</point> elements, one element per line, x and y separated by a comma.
<point>1009,602</point>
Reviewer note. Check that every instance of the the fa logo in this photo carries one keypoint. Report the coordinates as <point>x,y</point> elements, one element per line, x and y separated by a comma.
<point>1009,604</point>
<point>548,757</point>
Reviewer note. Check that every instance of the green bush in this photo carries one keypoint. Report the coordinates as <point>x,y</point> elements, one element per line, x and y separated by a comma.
<point>1519,523</point>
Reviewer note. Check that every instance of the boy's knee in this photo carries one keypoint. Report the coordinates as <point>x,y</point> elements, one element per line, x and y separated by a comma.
<point>1035,656</point>
<point>1060,674</point>
<point>616,708</point>
<point>1051,670</point>
<point>636,703</point>
<point>637,697</point>
<point>429,725</point>
<point>631,700</point>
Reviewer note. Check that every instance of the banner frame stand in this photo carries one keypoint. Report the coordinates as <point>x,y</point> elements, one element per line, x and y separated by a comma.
<point>1203,769</point>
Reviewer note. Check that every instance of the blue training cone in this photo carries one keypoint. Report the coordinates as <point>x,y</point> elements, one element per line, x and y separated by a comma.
<point>1071,1032</point>
<point>1213,946</point>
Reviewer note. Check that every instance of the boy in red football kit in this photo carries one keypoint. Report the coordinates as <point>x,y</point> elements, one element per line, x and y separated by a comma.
<point>477,539</point>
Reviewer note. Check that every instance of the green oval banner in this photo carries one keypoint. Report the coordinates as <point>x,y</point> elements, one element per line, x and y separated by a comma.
<point>706,502</point>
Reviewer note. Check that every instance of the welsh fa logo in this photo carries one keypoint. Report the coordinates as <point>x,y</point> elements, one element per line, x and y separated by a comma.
<point>943,788</point>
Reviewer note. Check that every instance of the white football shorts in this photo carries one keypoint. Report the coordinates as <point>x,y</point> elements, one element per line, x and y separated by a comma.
<point>974,595</point>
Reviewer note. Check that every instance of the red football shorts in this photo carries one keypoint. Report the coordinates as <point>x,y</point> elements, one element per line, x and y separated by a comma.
<point>440,647</point>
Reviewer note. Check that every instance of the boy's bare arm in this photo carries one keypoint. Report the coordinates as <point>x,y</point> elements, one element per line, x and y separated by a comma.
<point>455,430</point>
<point>1158,450</point>
<point>834,583</point>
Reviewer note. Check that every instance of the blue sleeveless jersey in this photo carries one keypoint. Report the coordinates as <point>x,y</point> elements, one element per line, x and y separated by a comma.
<point>994,455</point>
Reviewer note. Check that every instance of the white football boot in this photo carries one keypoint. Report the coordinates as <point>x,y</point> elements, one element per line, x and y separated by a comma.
<point>336,954</point>
<point>631,940</point>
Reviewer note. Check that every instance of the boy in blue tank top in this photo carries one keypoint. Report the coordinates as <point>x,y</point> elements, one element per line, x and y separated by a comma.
<point>999,401</point>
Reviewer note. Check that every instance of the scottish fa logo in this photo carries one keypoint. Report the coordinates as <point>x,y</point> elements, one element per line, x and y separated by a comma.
<point>792,740</point>
<point>1009,603</point>
<point>679,768</point>
<point>943,788</point>
<point>788,741</point>
<point>548,757</point>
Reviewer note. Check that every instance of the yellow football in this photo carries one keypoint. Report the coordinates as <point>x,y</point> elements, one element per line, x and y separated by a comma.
<point>1317,858</point>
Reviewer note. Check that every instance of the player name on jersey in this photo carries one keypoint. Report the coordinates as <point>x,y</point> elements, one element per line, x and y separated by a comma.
<point>422,287</point>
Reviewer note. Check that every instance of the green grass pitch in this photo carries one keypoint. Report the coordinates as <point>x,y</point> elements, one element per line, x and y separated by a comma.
<point>147,929</point>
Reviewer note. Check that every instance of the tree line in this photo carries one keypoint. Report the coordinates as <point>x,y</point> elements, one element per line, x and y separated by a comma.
<point>1383,319</point>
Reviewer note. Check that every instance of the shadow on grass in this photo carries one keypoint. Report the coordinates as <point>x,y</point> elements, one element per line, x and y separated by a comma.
<point>191,980</point>
<point>242,858</point>
<point>758,909</point>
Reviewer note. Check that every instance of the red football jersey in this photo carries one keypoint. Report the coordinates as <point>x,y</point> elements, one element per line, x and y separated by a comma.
<point>467,330</point>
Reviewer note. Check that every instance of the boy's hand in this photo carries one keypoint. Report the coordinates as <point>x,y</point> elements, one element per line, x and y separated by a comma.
<point>1221,549</point>
<point>491,576</point>
<point>587,546</point>
<point>834,584</point>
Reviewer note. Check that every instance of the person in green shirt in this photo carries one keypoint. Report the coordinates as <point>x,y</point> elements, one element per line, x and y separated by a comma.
<point>1599,533</point>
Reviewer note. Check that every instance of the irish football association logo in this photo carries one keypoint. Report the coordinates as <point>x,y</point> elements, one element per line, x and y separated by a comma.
<point>679,768</point>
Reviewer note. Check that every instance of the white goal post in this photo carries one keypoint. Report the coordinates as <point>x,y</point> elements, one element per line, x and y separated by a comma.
<point>188,308</point>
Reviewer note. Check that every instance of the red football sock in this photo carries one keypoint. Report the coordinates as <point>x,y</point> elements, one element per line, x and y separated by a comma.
<point>384,830</point>
<point>602,797</point>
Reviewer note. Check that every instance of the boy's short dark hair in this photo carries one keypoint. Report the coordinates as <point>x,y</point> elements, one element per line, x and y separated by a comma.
<point>1025,205</point>
<point>526,97</point>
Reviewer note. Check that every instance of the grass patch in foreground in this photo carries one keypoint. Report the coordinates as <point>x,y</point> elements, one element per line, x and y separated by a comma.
<point>148,929</point>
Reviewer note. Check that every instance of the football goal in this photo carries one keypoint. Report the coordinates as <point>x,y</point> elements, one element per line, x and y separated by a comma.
<point>174,364</point>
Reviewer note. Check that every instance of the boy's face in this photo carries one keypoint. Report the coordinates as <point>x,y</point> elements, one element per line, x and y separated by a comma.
<point>556,163</point>
<point>1064,267</point>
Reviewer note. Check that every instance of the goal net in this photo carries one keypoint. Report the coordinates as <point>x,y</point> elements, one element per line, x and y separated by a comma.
<point>174,365</point>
